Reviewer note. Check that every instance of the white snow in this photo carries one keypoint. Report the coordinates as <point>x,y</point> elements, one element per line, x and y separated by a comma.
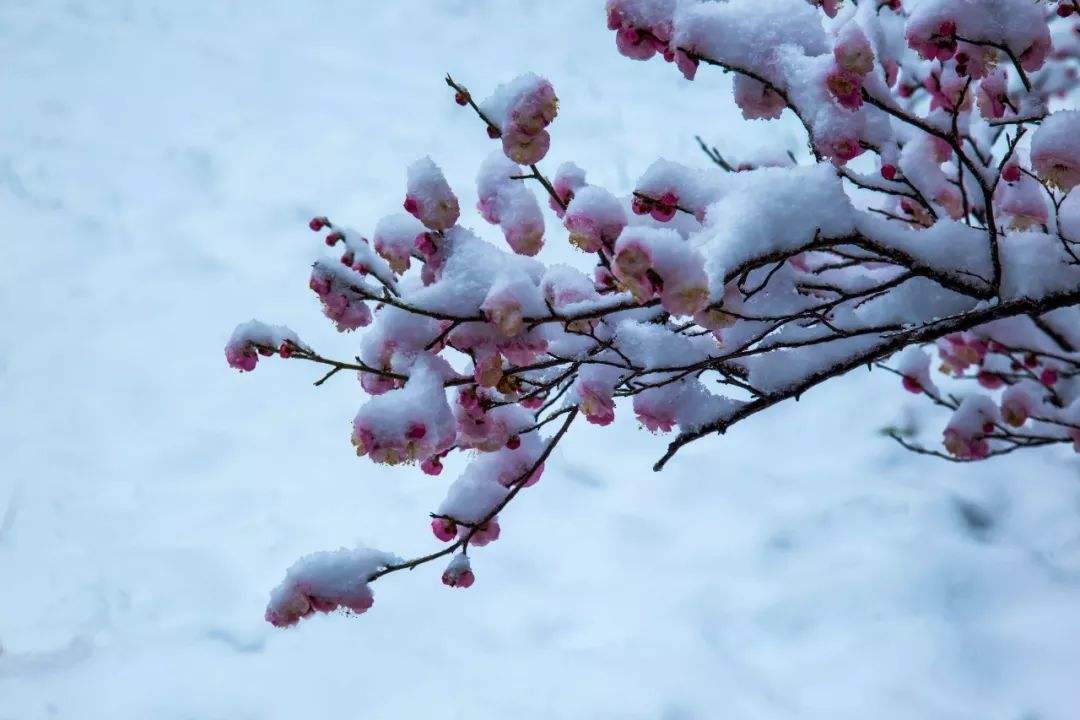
<point>159,161</point>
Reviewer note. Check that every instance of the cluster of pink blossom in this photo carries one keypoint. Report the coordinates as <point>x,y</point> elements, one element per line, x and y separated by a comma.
<point>951,43</point>
<point>1034,386</point>
<point>429,198</point>
<point>505,201</point>
<point>252,339</point>
<point>340,301</point>
<point>655,262</point>
<point>644,29</point>
<point>932,215</point>
<point>324,582</point>
<point>519,113</point>
<point>411,424</point>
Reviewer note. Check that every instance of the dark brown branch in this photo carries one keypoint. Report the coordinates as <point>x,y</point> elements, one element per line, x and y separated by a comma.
<point>515,488</point>
<point>924,333</point>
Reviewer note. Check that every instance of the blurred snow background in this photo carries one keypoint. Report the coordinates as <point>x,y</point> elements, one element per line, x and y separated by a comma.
<point>158,162</point>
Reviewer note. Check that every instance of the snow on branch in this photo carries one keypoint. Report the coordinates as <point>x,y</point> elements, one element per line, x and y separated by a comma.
<point>930,230</point>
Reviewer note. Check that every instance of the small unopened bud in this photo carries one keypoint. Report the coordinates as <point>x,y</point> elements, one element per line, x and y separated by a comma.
<point>444,529</point>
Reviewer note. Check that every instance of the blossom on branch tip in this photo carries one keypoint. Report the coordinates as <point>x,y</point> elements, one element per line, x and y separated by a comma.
<point>757,100</point>
<point>1055,150</point>
<point>428,196</point>
<point>852,50</point>
<point>484,534</point>
<point>444,529</point>
<point>1016,405</point>
<point>846,87</point>
<point>458,573</point>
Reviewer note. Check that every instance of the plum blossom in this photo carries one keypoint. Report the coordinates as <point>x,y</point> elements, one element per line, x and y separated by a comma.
<point>594,219</point>
<point>756,99</point>
<point>251,339</point>
<point>1017,405</point>
<point>569,178</point>
<point>594,391</point>
<point>458,573</point>
<point>993,94</point>
<point>1055,150</point>
<point>717,290</point>
<point>522,110</point>
<point>324,582</point>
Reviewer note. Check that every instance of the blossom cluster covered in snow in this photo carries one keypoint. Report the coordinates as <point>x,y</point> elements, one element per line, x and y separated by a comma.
<point>931,229</point>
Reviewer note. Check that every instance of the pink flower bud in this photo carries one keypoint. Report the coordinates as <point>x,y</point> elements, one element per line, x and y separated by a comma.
<point>634,44</point>
<point>486,533</point>
<point>458,573</point>
<point>431,465</point>
<point>852,50</point>
<point>523,148</point>
<point>429,198</point>
<point>444,529</point>
<point>641,205</point>
<point>1016,406</point>
<point>242,357</point>
<point>596,402</point>
<point>319,282</point>
<point>664,207</point>
<point>687,65</point>
<point>535,109</point>
<point>912,385</point>
<point>846,87</point>
<point>757,100</point>
<point>487,368</point>
<point>425,245</point>
<point>463,579</point>
<point>993,95</point>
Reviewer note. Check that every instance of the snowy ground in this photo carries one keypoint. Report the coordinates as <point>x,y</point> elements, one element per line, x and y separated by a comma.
<point>158,160</point>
